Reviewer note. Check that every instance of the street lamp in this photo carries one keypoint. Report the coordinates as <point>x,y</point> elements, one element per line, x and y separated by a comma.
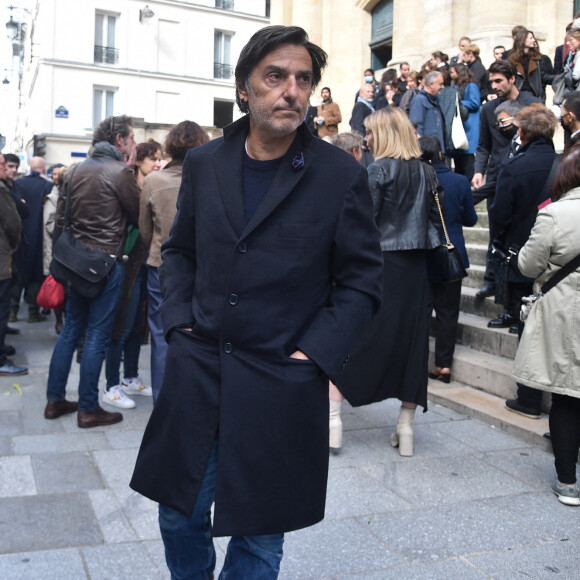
<point>145,13</point>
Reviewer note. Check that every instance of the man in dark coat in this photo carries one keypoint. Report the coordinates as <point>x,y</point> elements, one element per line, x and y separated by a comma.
<point>272,269</point>
<point>10,227</point>
<point>522,188</point>
<point>493,150</point>
<point>362,109</point>
<point>471,57</point>
<point>28,258</point>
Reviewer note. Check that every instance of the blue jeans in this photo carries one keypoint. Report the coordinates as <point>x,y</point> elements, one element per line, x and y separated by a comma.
<point>96,316</point>
<point>158,343</point>
<point>129,343</point>
<point>189,549</point>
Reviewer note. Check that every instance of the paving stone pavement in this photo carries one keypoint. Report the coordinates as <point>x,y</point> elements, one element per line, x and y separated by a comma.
<point>472,503</point>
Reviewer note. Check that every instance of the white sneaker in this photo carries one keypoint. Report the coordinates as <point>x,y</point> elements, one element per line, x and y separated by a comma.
<point>135,386</point>
<point>116,397</point>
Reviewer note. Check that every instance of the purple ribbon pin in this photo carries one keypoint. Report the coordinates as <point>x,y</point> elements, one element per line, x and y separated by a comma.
<point>298,162</point>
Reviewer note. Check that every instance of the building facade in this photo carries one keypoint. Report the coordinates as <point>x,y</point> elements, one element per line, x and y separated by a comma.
<point>160,62</point>
<point>358,34</point>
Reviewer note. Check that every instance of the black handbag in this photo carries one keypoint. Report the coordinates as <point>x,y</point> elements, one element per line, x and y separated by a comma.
<point>76,266</point>
<point>444,262</point>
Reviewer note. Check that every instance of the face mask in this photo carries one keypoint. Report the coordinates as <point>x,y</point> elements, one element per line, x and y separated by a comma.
<point>369,79</point>
<point>509,131</point>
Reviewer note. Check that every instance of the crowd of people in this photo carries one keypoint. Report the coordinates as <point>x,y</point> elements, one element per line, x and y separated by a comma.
<point>509,160</point>
<point>283,274</point>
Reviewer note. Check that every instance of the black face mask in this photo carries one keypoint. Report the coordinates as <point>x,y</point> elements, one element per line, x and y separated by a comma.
<point>509,131</point>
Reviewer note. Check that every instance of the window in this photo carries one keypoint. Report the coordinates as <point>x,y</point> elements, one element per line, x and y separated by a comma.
<point>224,4</point>
<point>103,104</point>
<point>105,51</point>
<point>382,34</point>
<point>222,67</point>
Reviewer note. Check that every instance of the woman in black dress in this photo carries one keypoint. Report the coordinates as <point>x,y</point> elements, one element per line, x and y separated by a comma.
<point>391,358</point>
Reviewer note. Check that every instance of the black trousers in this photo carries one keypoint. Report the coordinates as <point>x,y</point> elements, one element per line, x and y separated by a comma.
<point>565,432</point>
<point>445,298</point>
<point>487,191</point>
<point>4,313</point>
<point>465,164</point>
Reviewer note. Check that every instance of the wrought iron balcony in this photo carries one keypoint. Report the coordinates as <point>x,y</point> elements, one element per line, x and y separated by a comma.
<point>222,71</point>
<point>106,54</point>
<point>224,4</point>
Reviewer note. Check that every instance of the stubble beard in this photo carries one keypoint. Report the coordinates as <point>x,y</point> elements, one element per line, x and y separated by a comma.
<point>264,118</point>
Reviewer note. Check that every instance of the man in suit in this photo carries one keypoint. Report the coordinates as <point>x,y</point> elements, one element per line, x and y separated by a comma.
<point>271,271</point>
<point>493,151</point>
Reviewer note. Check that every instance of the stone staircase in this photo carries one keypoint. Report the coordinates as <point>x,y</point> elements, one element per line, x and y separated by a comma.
<point>483,356</point>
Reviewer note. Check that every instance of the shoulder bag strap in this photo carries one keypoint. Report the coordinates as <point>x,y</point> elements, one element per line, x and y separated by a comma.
<point>435,194</point>
<point>561,274</point>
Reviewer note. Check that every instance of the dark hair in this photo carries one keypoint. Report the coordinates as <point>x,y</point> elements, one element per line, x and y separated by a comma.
<point>183,137</point>
<point>464,74</point>
<point>571,102</point>
<point>11,158</point>
<point>503,67</point>
<point>498,46</point>
<point>568,174</point>
<point>444,70</point>
<point>370,70</point>
<point>53,167</point>
<point>517,28</point>
<point>403,64</point>
<point>389,77</point>
<point>147,149</point>
<point>263,43</point>
<point>441,56</point>
<point>431,149</point>
<point>108,129</point>
<point>519,53</point>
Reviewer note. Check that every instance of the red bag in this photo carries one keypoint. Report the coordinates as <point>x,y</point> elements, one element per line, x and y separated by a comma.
<point>51,294</point>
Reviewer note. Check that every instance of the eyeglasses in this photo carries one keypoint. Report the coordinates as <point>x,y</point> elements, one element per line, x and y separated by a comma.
<point>505,121</point>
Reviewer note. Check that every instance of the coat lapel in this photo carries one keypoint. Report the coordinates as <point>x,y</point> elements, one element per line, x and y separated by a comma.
<point>286,179</point>
<point>228,165</point>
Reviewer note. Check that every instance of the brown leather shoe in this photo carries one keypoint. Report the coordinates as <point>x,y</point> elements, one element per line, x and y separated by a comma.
<point>55,409</point>
<point>97,418</point>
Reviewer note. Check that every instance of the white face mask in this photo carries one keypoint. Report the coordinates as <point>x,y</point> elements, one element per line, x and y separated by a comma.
<point>369,79</point>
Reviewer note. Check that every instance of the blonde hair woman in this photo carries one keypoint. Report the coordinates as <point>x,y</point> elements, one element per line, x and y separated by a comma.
<point>390,359</point>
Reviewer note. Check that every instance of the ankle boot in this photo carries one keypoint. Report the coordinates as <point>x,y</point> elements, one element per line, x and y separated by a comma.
<point>403,435</point>
<point>335,426</point>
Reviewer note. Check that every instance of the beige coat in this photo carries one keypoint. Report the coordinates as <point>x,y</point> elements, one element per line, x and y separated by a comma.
<point>548,356</point>
<point>49,217</point>
<point>332,117</point>
<point>158,208</point>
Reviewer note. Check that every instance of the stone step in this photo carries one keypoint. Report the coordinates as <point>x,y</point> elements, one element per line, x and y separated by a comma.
<point>484,308</point>
<point>476,235</point>
<point>491,409</point>
<point>475,275</point>
<point>481,370</point>
<point>472,331</point>
<point>482,219</point>
<point>477,253</point>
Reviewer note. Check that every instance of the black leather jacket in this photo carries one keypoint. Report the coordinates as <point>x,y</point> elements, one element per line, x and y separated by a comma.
<point>405,209</point>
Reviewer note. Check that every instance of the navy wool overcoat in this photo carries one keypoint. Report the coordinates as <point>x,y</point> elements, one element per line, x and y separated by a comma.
<point>304,273</point>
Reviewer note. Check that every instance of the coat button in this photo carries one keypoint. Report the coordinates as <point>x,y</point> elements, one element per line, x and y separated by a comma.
<point>233,299</point>
<point>228,348</point>
<point>242,247</point>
